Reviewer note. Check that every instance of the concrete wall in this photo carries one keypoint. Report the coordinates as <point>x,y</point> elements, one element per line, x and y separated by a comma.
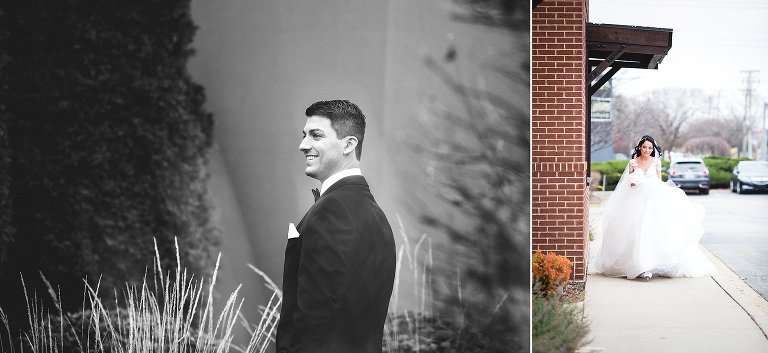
<point>263,62</point>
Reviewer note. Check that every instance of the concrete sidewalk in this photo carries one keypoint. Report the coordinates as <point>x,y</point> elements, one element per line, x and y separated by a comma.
<point>709,314</point>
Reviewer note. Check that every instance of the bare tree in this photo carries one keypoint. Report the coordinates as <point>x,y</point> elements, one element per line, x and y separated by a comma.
<point>672,109</point>
<point>630,122</point>
<point>662,114</point>
<point>601,135</point>
<point>707,146</point>
<point>724,128</point>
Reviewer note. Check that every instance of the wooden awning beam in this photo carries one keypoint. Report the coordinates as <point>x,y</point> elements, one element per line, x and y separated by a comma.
<point>603,80</point>
<point>619,46</point>
<point>621,63</point>
<point>655,61</point>
<point>605,63</point>
<point>629,48</point>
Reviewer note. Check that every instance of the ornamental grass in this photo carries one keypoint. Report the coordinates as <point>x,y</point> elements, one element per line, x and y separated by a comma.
<point>170,312</point>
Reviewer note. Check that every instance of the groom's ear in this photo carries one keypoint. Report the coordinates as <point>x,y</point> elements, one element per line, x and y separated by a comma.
<point>350,143</point>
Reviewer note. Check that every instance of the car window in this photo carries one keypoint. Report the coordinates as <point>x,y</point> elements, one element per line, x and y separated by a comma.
<point>754,168</point>
<point>688,165</point>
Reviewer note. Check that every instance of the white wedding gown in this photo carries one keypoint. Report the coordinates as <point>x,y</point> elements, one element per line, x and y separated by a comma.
<point>651,226</point>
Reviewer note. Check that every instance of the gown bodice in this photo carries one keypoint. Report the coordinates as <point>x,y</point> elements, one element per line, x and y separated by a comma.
<point>639,174</point>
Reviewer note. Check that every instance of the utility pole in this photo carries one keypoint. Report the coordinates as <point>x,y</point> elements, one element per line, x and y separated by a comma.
<point>747,107</point>
<point>764,137</point>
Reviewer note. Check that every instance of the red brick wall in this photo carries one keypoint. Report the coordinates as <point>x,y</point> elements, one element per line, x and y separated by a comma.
<point>560,205</point>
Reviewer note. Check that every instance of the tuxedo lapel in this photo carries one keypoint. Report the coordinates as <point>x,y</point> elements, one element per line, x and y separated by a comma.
<point>356,180</point>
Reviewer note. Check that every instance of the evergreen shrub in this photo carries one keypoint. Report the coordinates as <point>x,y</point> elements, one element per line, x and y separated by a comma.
<point>612,171</point>
<point>107,143</point>
<point>720,170</point>
<point>6,232</point>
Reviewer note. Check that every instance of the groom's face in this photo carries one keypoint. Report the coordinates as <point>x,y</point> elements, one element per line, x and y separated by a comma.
<point>322,148</point>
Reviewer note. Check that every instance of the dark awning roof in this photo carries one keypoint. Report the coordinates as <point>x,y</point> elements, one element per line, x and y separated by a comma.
<point>620,46</point>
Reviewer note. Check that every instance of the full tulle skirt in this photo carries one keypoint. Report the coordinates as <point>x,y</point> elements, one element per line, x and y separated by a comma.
<point>652,227</point>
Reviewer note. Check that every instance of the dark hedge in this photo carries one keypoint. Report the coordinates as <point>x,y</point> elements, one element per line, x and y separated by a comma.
<point>612,171</point>
<point>107,139</point>
<point>6,232</point>
<point>720,169</point>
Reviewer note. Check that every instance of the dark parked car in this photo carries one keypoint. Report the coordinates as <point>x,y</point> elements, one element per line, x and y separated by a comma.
<point>690,173</point>
<point>749,176</point>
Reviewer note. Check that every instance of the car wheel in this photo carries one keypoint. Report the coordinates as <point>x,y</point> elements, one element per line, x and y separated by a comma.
<point>704,191</point>
<point>733,187</point>
<point>738,188</point>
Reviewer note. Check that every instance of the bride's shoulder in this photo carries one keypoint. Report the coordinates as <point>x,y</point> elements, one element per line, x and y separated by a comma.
<point>633,162</point>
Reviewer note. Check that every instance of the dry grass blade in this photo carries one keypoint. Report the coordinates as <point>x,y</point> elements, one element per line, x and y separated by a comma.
<point>172,317</point>
<point>271,283</point>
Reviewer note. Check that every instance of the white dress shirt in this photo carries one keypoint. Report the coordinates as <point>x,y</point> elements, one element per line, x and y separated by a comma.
<point>337,176</point>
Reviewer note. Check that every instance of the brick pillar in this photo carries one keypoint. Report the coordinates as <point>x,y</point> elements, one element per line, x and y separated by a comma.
<point>560,204</point>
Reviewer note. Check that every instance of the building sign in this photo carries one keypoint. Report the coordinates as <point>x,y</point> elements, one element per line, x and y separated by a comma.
<point>601,103</point>
<point>601,109</point>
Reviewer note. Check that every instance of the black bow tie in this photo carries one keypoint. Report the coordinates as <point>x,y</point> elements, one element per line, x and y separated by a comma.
<point>316,194</point>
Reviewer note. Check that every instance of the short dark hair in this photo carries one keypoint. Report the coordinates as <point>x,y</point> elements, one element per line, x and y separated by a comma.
<point>346,119</point>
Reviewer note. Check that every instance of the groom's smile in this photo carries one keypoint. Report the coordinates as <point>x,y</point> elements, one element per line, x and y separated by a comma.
<point>323,150</point>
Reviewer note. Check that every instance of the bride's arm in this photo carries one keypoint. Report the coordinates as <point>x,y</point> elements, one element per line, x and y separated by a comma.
<point>658,168</point>
<point>630,169</point>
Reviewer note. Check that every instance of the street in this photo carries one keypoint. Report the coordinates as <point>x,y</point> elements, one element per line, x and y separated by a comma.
<point>737,233</point>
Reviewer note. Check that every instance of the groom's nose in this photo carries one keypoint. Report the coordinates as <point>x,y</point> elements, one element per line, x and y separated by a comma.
<point>304,144</point>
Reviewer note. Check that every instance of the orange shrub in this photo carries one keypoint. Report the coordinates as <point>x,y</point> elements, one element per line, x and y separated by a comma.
<point>550,271</point>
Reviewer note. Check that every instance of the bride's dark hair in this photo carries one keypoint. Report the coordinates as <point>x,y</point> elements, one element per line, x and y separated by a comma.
<point>636,151</point>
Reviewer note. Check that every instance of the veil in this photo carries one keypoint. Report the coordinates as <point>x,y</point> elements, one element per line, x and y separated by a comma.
<point>610,216</point>
<point>619,193</point>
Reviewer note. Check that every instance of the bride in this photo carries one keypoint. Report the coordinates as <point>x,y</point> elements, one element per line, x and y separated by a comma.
<point>650,227</point>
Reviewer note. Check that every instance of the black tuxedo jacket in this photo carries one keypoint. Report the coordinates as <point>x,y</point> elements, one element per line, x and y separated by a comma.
<point>338,274</point>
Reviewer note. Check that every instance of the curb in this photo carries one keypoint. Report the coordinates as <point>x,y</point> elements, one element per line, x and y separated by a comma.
<point>741,293</point>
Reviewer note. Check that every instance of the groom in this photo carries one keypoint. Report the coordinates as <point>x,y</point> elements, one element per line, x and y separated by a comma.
<point>340,259</point>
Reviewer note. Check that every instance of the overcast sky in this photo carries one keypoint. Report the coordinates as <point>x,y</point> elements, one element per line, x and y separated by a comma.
<point>713,41</point>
